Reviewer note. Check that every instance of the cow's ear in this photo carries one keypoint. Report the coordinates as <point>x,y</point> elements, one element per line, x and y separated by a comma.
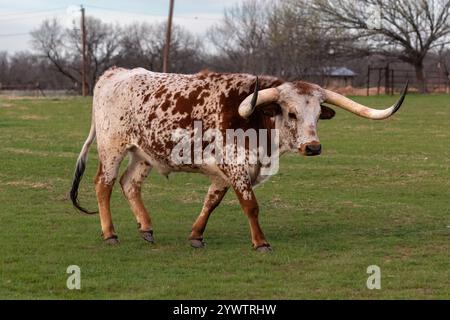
<point>271,110</point>
<point>327,113</point>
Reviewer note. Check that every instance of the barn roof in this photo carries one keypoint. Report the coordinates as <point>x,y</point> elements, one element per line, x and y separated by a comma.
<point>339,72</point>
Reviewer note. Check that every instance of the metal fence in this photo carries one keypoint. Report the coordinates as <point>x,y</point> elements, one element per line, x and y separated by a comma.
<point>388,80</point>
<point>33,90</point>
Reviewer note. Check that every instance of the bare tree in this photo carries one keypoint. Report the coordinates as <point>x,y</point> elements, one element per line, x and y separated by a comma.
<point>141,45</point>
<point>62,47</point>
<point>102,45</point>
<point>4,67</point>
<point>281,38</point>
<point>406,29</point>
<point>297,42</point>
<point>25,69</point>
<point>444,63</point>
<point>239,39</point>
<point>186,51</point>
<point>49,41</point>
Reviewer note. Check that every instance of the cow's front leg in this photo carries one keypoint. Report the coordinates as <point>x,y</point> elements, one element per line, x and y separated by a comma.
<point>215,194</point>
<point>243,187</point>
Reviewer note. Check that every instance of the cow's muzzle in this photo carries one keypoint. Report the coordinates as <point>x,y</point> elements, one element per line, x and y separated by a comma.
<point>311,149</point>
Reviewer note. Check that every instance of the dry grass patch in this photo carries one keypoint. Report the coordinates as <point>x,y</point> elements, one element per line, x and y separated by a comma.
<point>33,117</point>
<point>29,184</point>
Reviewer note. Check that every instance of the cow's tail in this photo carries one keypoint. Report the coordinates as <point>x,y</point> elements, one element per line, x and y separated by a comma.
<point>79,170</point>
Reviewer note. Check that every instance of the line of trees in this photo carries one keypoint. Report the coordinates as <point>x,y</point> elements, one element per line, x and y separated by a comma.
<point>287,38</point>
<point>107,45</point>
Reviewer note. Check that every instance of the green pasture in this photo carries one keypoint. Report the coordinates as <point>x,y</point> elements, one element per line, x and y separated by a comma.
<point>379,195</point>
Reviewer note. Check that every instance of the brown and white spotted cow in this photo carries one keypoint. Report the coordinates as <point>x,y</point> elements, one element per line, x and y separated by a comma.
<point>135,113</point>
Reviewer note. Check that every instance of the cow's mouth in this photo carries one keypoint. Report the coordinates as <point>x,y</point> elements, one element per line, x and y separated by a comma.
<point>311,149</point>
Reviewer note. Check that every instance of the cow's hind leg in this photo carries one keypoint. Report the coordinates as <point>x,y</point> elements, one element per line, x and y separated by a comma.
<point>104,182</point>
<point>131,182</point>
<point>215,194</point>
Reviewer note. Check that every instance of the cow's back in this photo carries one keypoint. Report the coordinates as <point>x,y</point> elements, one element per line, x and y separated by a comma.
<point>143,108</point>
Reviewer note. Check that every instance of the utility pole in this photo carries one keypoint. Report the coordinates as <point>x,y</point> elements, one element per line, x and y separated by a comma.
<point>84,58</point>
<point>168,38</point>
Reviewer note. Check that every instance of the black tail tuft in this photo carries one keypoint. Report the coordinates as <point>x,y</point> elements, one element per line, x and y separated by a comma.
<point>79,171</point>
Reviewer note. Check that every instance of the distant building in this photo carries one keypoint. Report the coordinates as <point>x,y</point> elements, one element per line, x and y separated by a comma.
<point>331,77</point>
<point>338,77</point>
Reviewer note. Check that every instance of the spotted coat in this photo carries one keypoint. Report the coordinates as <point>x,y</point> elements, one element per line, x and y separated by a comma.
<point>136,111</point>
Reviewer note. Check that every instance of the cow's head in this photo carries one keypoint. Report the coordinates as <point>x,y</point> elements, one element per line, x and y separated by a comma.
<point>297,108</point>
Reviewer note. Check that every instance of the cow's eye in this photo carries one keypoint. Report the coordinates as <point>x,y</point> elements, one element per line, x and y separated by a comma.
<point>292,116</point>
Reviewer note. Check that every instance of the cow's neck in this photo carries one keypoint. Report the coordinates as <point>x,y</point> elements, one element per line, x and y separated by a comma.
<point>276,124</point>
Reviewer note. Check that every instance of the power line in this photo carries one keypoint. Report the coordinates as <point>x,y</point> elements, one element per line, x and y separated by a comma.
<point>117,10</point>
<point>30,12</point>
<point>29,15</point>
<point>195,18</point>
<point>33,14</point>
<point>14,34</point>
<point>148,14</point>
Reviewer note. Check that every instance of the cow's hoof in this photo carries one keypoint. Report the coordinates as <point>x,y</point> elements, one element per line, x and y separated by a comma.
<point>112,241</point>
<point>197,243</point>
<point>147,236</point>
<point>264,248</point>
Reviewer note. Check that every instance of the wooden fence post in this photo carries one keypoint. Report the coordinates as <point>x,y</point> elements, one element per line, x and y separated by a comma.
<point>392,82</point>
<point>379,82</point>
<point>386,80</point>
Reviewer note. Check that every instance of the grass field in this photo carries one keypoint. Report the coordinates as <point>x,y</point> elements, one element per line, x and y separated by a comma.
<point>379,195</point>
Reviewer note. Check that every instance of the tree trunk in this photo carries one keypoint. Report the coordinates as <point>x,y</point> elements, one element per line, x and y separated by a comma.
<point>420,77</point>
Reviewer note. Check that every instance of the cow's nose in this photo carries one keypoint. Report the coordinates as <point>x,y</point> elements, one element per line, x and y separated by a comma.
<point>313,149</point>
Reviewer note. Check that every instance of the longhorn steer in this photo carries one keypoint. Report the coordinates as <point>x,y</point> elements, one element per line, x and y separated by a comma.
<point>136,112</point>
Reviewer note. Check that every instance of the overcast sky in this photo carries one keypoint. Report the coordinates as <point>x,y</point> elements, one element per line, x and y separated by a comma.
<point>18,18</point>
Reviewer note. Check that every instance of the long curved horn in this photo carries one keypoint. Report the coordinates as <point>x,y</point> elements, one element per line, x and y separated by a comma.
<point>256,99</point>
<point>361,110</point>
